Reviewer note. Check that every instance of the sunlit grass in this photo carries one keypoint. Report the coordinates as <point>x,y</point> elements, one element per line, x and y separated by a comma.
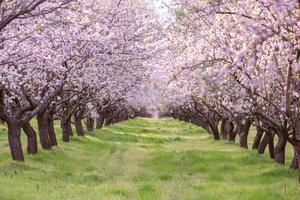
<point>145,159</point>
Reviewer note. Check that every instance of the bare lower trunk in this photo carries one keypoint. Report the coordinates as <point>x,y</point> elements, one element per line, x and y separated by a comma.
<point>69,126</point>
<point>215,132</point>
<point>297,153</point>
<point>108,121</point>
<point>294,162</point>
<point>224,130</point>
<point>240,128</point>
<point>65,127</point>
<point>90,124</point>
<point>32,146</point>
<point>271,146</point>
<point>43,131</point>
<point>100,121</point>
<point>232,132</point>
<point>268,140</point>
<point>263,144</point>
<point>244,135</point>
<point>78,125</point>
<point>279,150</point>
<point>14,140</point>
<point>51,131</point>
<point>257,139</point>
<point>194,121</point>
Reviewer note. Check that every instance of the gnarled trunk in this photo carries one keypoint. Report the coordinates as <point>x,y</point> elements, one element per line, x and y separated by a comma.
<point>90,124</point>
<point>100,121</point>
<point>14,140</point>
<point>69,127</point>
<point>263,144</point>
<point>279,150</point>
<point>32,146</point>
<point>51,131</point>
<point>271,145</point>
<point>296,147</point>
<point>232,132</point>
<point>66,128</point>
<point>78,125</point>
<point>108,121</point>
<point>215,132</point>
<point>244,135</point>
<point>268,140</point>
<point>294,162</point>
<point>258,137</point>
<point>224,130</point>
<point>43,131</point>
<point>240,128</point>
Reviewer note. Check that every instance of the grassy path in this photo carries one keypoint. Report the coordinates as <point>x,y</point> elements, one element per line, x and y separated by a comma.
<point>145,159</point>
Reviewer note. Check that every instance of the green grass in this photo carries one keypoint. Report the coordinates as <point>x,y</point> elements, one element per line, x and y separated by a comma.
<point>145,159</point>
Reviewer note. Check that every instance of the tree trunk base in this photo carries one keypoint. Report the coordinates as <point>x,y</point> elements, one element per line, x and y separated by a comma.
<point>32,146</point>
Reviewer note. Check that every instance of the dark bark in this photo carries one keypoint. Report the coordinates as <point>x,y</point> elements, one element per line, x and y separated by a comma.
<point>294,162</point>
<point>240,128</point>
<point>258,137</point>
<point>215,132</point>
<point>204,124</point>
<point>194,121</point>
<point>244,135</point>
<point>279,150</point>
<point>43,131</point>
<point>108,121</point>
<point>186,119</point>
<point>224,130</point>
<point>207,127</point>
<point>100,121</point>
<point>32,146</point>
<point>69,126</point>
<point>51,130</point>
<point>271,145</point>
<point>296,147</point>
<point>263,144</point>
<point>14,140</point>
<point>78,125</point>
<point>232,132</point>
<point>90,124</point>
<point>65,127</point>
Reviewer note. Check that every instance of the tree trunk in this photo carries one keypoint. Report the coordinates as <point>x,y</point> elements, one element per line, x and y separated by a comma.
<point>109,120</point>
<point>32,146</point>
<point>69,126</point>
<point>90,124</point>
<point>263,144</point>
<point>232,132</point>
<point>294,163</point>
<point>215,132</point>
<point>43,131</point>
<point>100,121</point>
<point>297,153</point>
<point>279,150</point>
<point>65,127</point>
<point>258,137</point>
<point>194,121</point>
<point>224,130</point>
<point>78,125</point>
<point>271,146</point>
<point>14,140</point>
<point>244,135</point>
<point>240,128</point>
<point>51,131</point>
<point>203,123</point>
<point>186,119</point>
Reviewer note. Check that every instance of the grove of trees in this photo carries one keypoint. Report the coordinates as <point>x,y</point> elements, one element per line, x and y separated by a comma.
<point>226,66</point>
